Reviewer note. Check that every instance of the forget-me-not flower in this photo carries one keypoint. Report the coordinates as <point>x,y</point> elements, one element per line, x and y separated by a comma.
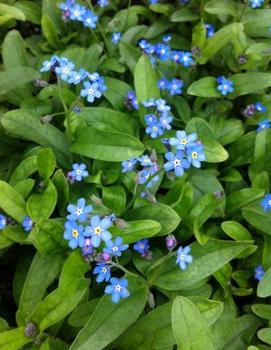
<point>79,171</point>
<point>182,140</point>
<point>264,124</point>
<point>266,202</point>
<point>103,272</point>
<point>183,257</point>
<point>3,221</point>
<point>115,247</point>
<point>27,223</point>
<point>98,230</point>
<point>259,272</point>
<point>118,289</point>
<point>225,86</point>
<point>91,91</point>
<point>116,38</point>
<point>79,211</point>
<point>176,162</point>
<point>74,234</point>
<point>196,155</point>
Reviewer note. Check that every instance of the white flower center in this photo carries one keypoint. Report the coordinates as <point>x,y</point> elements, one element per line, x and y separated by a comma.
<point>79,211</point>
<point>79,172</point>
<point>177,162</point>
<point>269,202</point>
<point>76,13</point>
<point>118,288</point>
<point>115,249</point>
<point>90,91</point>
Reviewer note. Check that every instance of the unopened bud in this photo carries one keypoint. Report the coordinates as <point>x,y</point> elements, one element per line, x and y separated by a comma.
<point>46,119</point>
<point>41,83</point>
<point>171,242</point>
<point>242,59</point>
<point>30,330</point>
<point>96,200</point>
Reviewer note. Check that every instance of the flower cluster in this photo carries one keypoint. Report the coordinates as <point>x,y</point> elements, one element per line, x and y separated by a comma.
<point>91,232</point>
<point>251,109</point>
<point>147,174</point>
<point>173,86</point>
<point>187,151</point>
<point>93,83</point>
<point>161,118</point>
<point>76,12</point>
<point>224,85</point>
<point>164,52</point>
<point>131,100</point>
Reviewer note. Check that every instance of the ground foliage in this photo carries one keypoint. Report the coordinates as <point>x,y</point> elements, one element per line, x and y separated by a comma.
<point>49,296</point>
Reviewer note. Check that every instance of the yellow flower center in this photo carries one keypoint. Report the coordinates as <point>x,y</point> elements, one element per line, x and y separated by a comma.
<point>75,233</point>
<point>97,230</point>
<point>141,246</point>
<point>104,269</point>
<point>194,155</point>
<point>184,141</point>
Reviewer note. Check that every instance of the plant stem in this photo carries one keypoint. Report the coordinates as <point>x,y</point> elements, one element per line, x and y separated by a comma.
<point>119,267</point>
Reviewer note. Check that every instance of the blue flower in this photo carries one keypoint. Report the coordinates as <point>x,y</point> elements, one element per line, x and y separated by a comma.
<point>101,84</point>
<point>74,234</point>
<point>27,224</point>
<point>90,19</point>
<point>64,70</point>
<point>186,58</point>
<point>147,47</point>
<point>98,230</point>
<point>77,12</point>
<point>132,100</point>
<point>118,289</point>
<point>256,3</point>
<point>163,51</point>
<point>266,202</point>
<point>65,6</point>
<point>176,162</point>
<point>165,121</point>
<point>153,181</point>
<point>91,91</point>
<point>182,140</point>
<point>175,55</point>
<point>80,211</point>
<point>128,165</point>
<point>153,2</point>
<point>166,38</point>
<point>260,107</point>
<point>162,106</point>
<point>225,86</point>
<point>103,272</point>
<point>79,171</point>
<point>175,87</point>
<point>210,30</point>
<point>142,246</point>
<point>48,65</point>
<point>116,38</point>
<point>103,3</point>
<point>154,129</point>
<point>264,124</point>
<point>196,155</point>
<point>3,221</point>
<point>145,161</point>
<point>116,247</point>
<point>149,103</point>
<point>163,83</point>
<point>87,247</point>
<point>183,257</point>
<point>150,119</point>
<point>259,272</point>
<point>76,77</point>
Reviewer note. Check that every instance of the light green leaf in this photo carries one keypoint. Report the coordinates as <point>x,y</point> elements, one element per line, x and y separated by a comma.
<point>264,335</point>
<point>184,15</point>
<point>46,163</point>
<point>264,286</point>
<point>136,230</point>
<point>26,168</point>
<point>16,77</point>
<point>185,318</point>
<point>13,339</point>
<point>12,12</point>
<point>12,202</point>
<point>257,217</point>
<point>107,146</point>
<point>239,199</point>
<point>112,319</point>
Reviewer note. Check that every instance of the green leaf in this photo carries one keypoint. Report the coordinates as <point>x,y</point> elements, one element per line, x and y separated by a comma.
<point>239,199</point>
<point>41,206</point>
<point>12,12</point>
<point>257,217</point>
<point>107,146</point>
<point>262,310</point>
<point>208,258</point>
<point>12,202</point>
<point>32,11</point>
<point>114,197</point>
<point>16,77</point>
<point>215,153</point>
<point>161,213</point>
<point>48,237</point>
<point>14,51</point>
<point>49,31</point>
<point>236,231</point>
<point>25,169</point>
<point>62,187</point>
<point>264,287</point>
<point>42,272</point>
<point>46,162</point>
<point>129,55</point>
<point>136,230</point>
<point>82,313</point>
<point>184,15</point>
<point>223,7</point>
<point>264,335</point>
<point>13,339</point>
<point>204,87</point>
<point>112,319</point>
<point>26,125</point>
<point>116,92</point>
<point>72,287</point>
<point>109,120</point>
<point>185,317</point>
<point>145,80</point>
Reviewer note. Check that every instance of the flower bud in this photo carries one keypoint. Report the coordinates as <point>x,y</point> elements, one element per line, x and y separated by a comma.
<point>171,242</point>
<point>30,330</point>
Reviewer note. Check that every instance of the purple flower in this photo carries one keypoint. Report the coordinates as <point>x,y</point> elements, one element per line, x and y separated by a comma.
<point>87,247</point>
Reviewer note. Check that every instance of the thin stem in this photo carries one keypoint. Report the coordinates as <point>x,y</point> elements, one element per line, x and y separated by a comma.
<point>119,267</point>
<point>67,113</point>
